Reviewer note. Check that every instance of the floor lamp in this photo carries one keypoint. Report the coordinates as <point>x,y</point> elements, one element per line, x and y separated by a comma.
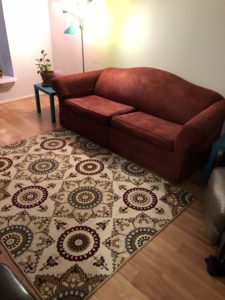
<point>71,30</point>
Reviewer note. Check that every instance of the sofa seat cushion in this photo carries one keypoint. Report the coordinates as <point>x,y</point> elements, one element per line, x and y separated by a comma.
<point>97,108</point>
<point>146,127</point>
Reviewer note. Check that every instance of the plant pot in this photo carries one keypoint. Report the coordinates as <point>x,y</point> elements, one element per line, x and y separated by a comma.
<point>47,78</point>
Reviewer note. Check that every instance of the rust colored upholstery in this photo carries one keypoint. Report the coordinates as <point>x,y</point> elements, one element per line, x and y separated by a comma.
<point>147,115</point>
<point>97,108</point>
<point>148,128</point>
<point>156,92</point>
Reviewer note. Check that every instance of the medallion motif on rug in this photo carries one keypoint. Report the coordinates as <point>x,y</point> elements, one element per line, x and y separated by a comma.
<point>72,212</point>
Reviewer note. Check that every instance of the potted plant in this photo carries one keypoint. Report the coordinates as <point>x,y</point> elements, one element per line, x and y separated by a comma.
<point>44,68</point>
<point>1,71</point>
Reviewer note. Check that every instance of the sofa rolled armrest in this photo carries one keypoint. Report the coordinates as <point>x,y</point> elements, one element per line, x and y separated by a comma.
<point>202,130</point>
<point>76,85</point>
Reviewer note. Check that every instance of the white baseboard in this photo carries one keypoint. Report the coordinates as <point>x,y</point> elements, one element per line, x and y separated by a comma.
<point>17,99</point>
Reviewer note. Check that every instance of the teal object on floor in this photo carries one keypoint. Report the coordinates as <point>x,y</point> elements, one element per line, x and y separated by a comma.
<point>218,145</point>
<point>49,91</point>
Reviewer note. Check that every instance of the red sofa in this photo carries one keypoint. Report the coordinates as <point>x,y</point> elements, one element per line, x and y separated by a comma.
<point>147,115</point>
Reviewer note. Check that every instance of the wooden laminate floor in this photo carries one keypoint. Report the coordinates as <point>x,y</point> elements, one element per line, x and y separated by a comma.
<point>170,267</point>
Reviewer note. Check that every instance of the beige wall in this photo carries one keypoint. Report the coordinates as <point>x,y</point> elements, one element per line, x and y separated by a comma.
<point>66,48</point>
<point>186,37</point>
<point>27,23</point>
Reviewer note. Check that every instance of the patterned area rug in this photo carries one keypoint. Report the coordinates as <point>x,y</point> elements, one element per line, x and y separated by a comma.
<point>71,212</point>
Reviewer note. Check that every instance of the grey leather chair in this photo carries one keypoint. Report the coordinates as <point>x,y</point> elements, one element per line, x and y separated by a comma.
<point>215,206</point>
<point>10,286</point>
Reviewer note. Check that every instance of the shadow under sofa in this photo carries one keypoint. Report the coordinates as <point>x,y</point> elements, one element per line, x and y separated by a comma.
<point>146,115</point>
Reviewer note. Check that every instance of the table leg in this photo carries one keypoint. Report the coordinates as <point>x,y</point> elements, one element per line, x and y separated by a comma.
<point>37,99</point>
<point>52,107</point>
<point>210,163</point>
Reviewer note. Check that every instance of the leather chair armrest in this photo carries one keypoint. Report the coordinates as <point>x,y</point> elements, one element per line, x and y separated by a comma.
<point>11,287</point>
<point>214,205</point>
<point>221,248</point>
<point>202,130</point>
<point>76,85</point>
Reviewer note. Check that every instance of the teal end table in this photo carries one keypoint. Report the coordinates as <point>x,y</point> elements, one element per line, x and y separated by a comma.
<point>219,145</point>
<point>49,91</point>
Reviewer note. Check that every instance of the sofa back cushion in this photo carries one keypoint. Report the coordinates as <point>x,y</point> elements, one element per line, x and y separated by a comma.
<point>156,92</point>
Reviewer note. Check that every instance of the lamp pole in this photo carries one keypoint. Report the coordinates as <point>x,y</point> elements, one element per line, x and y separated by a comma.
<point>82,45</point>
<point>71,30</point>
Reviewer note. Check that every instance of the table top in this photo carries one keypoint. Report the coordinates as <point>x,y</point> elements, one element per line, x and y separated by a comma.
<point>46,89</point>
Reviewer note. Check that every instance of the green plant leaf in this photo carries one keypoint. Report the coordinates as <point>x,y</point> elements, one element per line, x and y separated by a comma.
<point>43,63</point>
